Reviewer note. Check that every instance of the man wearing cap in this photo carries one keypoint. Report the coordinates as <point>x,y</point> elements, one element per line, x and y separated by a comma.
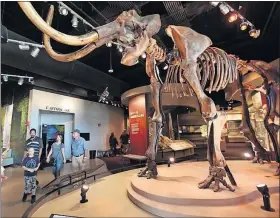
<point>79,150</point>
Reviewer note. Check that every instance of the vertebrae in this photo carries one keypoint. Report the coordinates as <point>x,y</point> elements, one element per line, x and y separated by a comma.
<point>155,51</point>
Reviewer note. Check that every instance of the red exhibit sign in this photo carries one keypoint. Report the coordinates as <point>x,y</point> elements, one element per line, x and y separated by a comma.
<point>138,125</point>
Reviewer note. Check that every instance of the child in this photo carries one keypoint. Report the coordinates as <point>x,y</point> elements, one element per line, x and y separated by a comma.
<point>30,164</point>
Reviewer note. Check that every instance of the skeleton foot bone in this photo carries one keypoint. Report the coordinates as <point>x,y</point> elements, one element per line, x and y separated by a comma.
<point>150,170</point>
<point>216,174</point>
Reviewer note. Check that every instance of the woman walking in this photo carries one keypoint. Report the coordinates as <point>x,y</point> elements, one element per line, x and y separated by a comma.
<point>57,155</point>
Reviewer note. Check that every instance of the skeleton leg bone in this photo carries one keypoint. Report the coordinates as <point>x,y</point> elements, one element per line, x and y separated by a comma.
<point>218,167</point>
<point>157,121</point>
<point>246,126</point>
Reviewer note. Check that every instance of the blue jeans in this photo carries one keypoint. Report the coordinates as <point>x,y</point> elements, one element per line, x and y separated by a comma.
<point>56,169</point>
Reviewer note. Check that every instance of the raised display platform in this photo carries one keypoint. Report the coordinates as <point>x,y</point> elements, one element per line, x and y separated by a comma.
<point>175,193</point>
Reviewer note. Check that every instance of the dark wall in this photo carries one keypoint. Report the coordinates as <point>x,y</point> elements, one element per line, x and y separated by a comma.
<point>12,93</point>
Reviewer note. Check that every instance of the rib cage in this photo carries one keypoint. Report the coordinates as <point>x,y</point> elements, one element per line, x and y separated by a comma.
<point>217,67</point>
<point>214,66</point>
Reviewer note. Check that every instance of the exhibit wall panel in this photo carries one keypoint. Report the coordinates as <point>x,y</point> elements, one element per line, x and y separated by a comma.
<point>89,117</point>
<point>138,130</point>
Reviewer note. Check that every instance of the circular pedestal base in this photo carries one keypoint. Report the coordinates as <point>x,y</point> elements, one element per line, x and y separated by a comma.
<point>175,192</point>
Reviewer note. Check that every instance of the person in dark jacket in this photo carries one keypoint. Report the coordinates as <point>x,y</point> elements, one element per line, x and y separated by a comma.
<point>113,143</point>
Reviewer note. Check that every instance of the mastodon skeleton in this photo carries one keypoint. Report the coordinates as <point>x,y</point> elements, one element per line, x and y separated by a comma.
<point>193,62</point>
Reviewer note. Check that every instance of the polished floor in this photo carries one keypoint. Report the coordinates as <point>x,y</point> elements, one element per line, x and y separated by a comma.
<point>12,188</point>
<point>108,197</point>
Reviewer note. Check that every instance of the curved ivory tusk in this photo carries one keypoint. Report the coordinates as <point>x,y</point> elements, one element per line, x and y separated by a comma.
<point>71,56</point>
<point>35,18</point>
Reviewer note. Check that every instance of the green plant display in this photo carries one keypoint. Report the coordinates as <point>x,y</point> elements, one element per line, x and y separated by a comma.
<point>23,108</point>
<point>3,113</point>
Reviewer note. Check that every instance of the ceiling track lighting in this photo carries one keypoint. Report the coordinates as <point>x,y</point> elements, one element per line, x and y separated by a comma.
<point>24,47</point>
<point>20,78</point>
<point>69,10</point>
<point>232,17</point>
<point>225,8</point>
<point>111,68</point>
<point>120,48</point>
<point>215,4</point>
<point>75,21</point>
<point>62,10</point>
<point>243,25</point>
<point>5,78</point>
<point>20,81</point>
<point>34,53</point>
<point>109,44</point>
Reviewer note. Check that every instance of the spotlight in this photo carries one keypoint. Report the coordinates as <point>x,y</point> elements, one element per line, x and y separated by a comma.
<point>243,25</point>
<point>263,189</point>
<point>74,21</point>
<point>171,161</point>
<point>165,67</point>
<point>63,10</point>
<point>232,17</point>
<point>20,81</point>
<point>120,49</point>
<point>34,53</point>
<point>253,32</point>
<point>247,155</point>
<point>84,190</point>
<point>110,70</point>
<point>31,81</point>
<point>23,47</point>
<point>144,55</point>
<point>109,44</point>
<point>5,78</point>
<point>215,4</point>
<point>224,9</point>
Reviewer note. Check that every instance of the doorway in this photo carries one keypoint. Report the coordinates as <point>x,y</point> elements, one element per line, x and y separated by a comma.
<point>52,123</point>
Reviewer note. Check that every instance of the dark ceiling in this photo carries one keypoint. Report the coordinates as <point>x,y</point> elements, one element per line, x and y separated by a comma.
<point>200,16</point>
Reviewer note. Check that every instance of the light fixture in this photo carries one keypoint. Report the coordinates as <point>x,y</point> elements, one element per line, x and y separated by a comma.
<point>5,78</point>
<point>232,17</point>
<point>20,81</point>
<point>243,25</point>
<point>31,80</point>
<point>75,21</point>
<point>120,49</point>
<point>23,47</point>
<point>253,32</point>
<point>224,9</point>
<point>247,155</point>
<point>171,160</point>
<point>165,67</point>
<point>263,189</point>
<point>111,68</point>
<point>84,190</point>
<point>144,55</point>
<point>215,4</point>
<point>63,10</point>
<point>109,44</point>
<point>34,53</point>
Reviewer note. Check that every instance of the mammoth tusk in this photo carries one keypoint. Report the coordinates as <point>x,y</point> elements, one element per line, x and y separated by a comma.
<point>35,18</point>
<point>100,32</point>
<point>71,56</point>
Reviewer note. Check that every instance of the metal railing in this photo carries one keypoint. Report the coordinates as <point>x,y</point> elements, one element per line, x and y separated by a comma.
<point>83,175</point>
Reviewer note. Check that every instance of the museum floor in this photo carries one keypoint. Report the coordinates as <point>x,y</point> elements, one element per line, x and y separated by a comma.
<point>108,196</point>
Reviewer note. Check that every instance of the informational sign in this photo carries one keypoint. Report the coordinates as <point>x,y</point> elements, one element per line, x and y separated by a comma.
<point>138,125</point>
<point>57,109</point>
